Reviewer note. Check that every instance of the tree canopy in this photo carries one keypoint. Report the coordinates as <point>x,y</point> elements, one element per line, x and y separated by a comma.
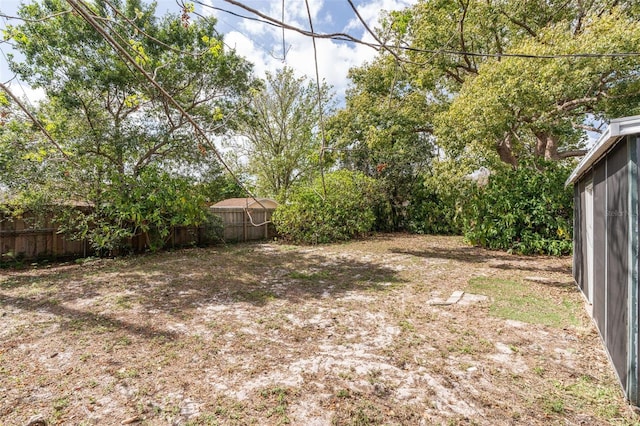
<point>118,134</point>
<point>385,132</point>
<point>458,84</point>
<point>280,132</point>
<point>521,78</point>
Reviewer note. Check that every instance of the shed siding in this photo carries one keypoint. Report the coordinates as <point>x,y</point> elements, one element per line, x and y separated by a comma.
<point>632,380</point>
<point>579,254</point>
<point>599,245</point>
<point>617,257</point>
<point>614,166</point>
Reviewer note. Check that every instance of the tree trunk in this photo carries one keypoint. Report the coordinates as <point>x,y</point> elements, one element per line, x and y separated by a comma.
<point>546,146</point>
<point>541,144</point>
<point>505,151</point>
<point>551,153</point>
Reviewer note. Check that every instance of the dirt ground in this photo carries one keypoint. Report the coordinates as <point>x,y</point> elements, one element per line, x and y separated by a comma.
<point>267,334</point>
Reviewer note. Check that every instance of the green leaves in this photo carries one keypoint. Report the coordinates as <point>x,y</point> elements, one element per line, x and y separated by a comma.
<point>527,210</point>
<point>135,158</point>
<point>384,132</point>
<point>521,106</point>
<point>343,212</point>
<point>152,203</point>
<point>281,127</point>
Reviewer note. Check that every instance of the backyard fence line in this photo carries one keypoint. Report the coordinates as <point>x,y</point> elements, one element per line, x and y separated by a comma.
<point>21,239</point>
<point>239,223</point>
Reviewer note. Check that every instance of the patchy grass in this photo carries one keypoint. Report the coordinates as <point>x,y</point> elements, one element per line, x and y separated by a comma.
<point>270,334</point>
<point>525,302</point>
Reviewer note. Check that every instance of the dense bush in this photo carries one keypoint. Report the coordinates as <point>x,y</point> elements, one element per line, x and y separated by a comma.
<point>527,210</point>
<point>431,213</point>
<point>344,211</point>
<point>150,204</point>
<point>437,201</point>
<point>213,229</point>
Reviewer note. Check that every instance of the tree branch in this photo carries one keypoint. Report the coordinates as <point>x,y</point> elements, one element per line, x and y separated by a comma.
<point>461,31</point>
<point>572,153</point>
<point>35,121</point>
<point>577,103</point>
<point>587,128</point>
<point>45,18</point>
<point>521,24</point>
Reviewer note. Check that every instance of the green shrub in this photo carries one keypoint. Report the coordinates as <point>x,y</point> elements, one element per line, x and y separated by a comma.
<point>213,229</point>
<point>151,203</point>
<point>436,203</point>
<point>345,211</point>
<point>526,211</point>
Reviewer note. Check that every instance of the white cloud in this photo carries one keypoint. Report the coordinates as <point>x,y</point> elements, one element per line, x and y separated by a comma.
<point>370,12</point>
<point>261,43</point>
<point>261,58</point>
<point>208,9</point>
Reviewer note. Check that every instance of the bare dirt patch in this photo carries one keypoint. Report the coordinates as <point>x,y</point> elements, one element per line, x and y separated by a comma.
<point>359,333</point>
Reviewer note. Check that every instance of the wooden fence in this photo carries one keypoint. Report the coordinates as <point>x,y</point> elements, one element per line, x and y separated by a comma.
<point>24,239</point>
<point>241,224</point>
<point>20,239</point>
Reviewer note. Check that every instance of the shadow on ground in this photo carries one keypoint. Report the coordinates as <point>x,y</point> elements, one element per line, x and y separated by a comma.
<point>474,255</point>
<point>178,283</point>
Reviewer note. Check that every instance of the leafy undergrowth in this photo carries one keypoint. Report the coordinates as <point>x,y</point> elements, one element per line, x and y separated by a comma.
<point>269,334</point>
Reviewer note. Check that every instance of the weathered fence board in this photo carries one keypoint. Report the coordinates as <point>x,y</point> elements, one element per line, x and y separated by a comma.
<point>246,224</point>
<point>24,239</point>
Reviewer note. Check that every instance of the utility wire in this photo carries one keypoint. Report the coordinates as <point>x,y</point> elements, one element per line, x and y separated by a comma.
<point>284,47</point>
<point>272,21</point>
<point>377,46</point>
<point>373,34</point>
<point>35,120</point>
<point>266,19</point>
<point>84,11</point>
<point>131,22</point>
<point>15,77</point>
<point>320,112</point>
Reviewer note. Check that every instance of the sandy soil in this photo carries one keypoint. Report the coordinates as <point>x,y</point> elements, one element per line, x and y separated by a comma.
<point>353,334</point>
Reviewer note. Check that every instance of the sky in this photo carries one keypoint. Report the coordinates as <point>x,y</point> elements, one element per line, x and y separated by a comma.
<point>261,44</point>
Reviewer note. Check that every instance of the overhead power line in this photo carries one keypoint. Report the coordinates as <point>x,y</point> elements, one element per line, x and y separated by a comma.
<point>379,45</point>
<point>319,92</point>
<point>345,37</point>
<point>85,12</point>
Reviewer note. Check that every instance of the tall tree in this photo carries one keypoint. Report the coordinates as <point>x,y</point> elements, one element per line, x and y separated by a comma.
<point>459,52</point>
<point>384,131</point>
<point>281,132</point>
<point>123,138</point>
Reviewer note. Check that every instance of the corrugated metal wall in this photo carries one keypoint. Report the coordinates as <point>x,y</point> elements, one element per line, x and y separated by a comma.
<point>617,255</point>
<point>614,263</point>
<point>599,246</point>
<point>578,256</point>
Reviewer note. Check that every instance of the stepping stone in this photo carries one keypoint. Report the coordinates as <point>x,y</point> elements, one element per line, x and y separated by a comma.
<point>455,297</point>
<point>470,299</point>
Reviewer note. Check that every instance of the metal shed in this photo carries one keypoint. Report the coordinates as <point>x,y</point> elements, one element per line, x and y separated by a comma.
<point>605,253</point>
<point>246,218</point>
